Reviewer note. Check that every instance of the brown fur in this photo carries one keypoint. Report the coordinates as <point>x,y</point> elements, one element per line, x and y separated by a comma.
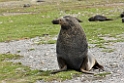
<point>72,47</point>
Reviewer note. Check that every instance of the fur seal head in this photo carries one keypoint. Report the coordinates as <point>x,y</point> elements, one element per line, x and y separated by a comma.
<point>63,20</point>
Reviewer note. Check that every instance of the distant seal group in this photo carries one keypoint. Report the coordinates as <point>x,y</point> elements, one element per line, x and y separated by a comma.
<point>72,47</point>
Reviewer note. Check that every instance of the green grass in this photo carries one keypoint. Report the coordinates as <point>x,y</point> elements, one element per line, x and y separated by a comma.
<point>17,73</point>
<point>103,74</point>
<point>8,56</point>
<point>24,26</point>
<point>60,76</point>
<point>108,50</point>
<point>38,22</point>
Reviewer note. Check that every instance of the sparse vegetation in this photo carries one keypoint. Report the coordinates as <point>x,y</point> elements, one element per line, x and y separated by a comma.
<point>31,49</point>
<point>17,73</point>
<point>8,56</point>
<point>22,23</point>
<point>103,74</point>
<point>108,50</point>
<point>38,22</point>
<point>18,51</point>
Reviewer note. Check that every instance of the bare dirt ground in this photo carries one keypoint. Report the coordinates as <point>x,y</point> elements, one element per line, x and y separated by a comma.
<point>43,56</point>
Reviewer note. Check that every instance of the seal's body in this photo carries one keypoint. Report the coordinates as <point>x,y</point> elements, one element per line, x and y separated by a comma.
<point>123,20</point>
<point>68,44</point>
<point>99,18</point>
<point>72,47</point>
<point>122,15</point>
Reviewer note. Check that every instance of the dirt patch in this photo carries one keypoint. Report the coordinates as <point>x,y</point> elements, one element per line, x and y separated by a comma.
<point>43,57</point>
<point>11,4</point>
<point>11,14</point>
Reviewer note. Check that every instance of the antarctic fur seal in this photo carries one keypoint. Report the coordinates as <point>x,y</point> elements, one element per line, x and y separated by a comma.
<point>122,15</point>
<point>72,47</point>
<point>99,18</point>
<point>123,20</point>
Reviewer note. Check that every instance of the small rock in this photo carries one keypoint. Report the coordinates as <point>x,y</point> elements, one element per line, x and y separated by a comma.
<point>39,1</point>
<point>114,65</point>
<point>26,5</point>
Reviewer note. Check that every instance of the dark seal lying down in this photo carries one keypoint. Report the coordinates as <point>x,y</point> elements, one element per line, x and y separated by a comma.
<point>72,47</point>
<point>99,18</point>
<point>122,15</point>
<point>123,20</point>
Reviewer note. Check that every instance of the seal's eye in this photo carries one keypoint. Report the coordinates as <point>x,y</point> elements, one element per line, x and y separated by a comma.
<point>60,20</point>
<point>67,19</point>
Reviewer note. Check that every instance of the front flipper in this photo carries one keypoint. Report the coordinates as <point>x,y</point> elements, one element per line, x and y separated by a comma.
<point>62,65</point>
<point>60,70</point>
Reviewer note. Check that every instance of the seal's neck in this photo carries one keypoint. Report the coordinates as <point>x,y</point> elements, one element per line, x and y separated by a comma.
<point>65,27</point>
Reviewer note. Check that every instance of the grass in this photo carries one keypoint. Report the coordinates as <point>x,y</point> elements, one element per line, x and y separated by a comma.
<point>17,73</point>
<point>37,22</point>
<point>61,76</point>
<point>103,74</point>
<point>108,50</point>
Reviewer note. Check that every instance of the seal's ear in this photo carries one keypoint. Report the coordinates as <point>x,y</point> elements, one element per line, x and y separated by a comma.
<point>78,20</point>
<point>55,21</point>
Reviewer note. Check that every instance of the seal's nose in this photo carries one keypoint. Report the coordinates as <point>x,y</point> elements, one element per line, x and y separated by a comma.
<point>55,21</point>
